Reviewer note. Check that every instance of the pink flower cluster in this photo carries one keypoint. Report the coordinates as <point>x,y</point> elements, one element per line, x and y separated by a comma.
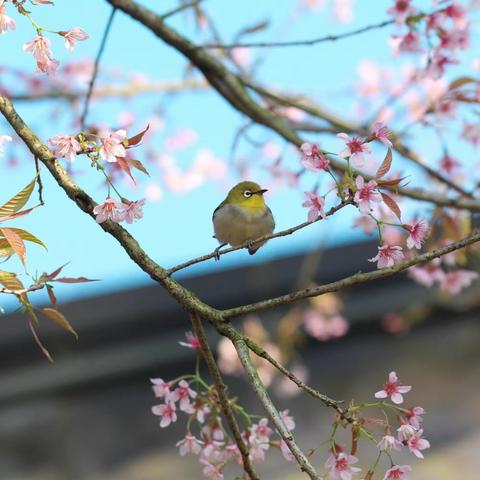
<point>6,22</point>
<point>212,445</point>
<point>39,47</point>
<point>119,212</point>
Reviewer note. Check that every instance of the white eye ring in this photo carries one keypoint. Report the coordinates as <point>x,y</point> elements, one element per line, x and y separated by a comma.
<point>247,193</point>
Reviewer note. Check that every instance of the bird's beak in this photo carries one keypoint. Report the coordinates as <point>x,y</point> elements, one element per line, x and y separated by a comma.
<point>261,192</point>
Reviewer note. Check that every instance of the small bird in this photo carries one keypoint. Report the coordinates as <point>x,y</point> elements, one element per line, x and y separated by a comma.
<point>243,217</point>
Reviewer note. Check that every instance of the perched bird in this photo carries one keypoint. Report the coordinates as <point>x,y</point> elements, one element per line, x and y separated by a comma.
<point>243,217</point>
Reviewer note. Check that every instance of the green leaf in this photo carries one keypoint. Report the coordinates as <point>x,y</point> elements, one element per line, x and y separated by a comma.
<point>18,201</point>
<point>24,235</point>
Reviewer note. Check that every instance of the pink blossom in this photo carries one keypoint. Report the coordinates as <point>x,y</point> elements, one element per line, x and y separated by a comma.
<point>109,210</point>
<point>324,328</point>
<point>457,13</point>
<point>398,472</point>
<point>181,139</point>
<point>287,454</point>
<point>405,431</point>
<point>183,393</point>
<point>401,10</point>
<point>413,416</point>
<point>168,413</point>
<point>241,56</point>
<point>212,471</point>
<point>428,274</point>
<point>287,420</point>
<point>133,210</point>
<point>39,47</point>
<point>201,409</point>
<point>257,450</point>
<point>471,133</point>
<point>3,139</point>
<point>355,149</point>
<point>260,432</point>
<point>416,443</point>
<point>312,158</point>
<point>73,35</point>
<point>409,43</point>
<point>445,109</point>
<point>340,466</point>
<point>381,133</point>
<point>448,164</point>
<point>189,444</point>
<point>214,429</point>
<point>65,146</point>
<point>437,64</point>
<point>160,387</point>
<point>388,443</point>
<point>213,450</point>
<point>387,256</point>
<point>418,232</point>
<point>393,389</point>
<point>112,146</point>
<point>6,22</point>
<point>454,282</point>
<point>366,193</point>
<point>316,205</point>
<point>192,341</point>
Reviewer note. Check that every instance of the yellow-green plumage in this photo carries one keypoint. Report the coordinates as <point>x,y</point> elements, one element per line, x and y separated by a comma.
<point>243,216</point>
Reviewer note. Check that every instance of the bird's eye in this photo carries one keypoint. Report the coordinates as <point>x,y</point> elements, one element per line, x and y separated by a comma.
<point>247,193</point>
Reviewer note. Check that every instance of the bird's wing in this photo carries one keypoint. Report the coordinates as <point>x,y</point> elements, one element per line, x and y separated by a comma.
<point>218,208</point>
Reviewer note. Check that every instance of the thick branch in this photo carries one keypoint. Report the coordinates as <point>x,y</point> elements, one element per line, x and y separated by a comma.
<point>349,281</point>
<point>222,396</point>
<point>232,88</point>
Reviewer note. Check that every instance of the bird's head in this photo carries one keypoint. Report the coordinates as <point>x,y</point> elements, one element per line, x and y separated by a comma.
<point>247,194</point>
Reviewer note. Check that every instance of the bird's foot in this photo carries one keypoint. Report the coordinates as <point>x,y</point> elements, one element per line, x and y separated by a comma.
<point>216,252</point>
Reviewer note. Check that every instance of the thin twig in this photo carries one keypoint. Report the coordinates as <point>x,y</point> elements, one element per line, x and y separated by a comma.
<point>106,32</point>
<point>222,395</point>
<point>351,280</point>
<point>297,43</point>
<point>39,182</point>
<point>180,8</point>
<point>272,412</point>
<point>282,233</point>
<point>22,291</point>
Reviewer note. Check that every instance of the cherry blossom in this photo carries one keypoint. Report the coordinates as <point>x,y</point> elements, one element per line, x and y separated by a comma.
<point>287,420</point>
<point>312,158</point>
<point>212,471</point>
<point>109,210</point>
<point>413,416</point>
<point>189,444</point>
<point>3,139</point>
<point>168,413</point>
<point>401,10</point>
<point>65,146</point>
<point>73,35</point>
<point>428,274</point>
<point>416,443</point>
<point>387,256</point>
<point>393,389</point>
<point>112,146</point>
<point>409,43</point>
<point>6,22</point>
<point>381,133</point>
<point>160,387</point>
<point>405,431</point>
<point>213,450</point>
<point>355,149</point>
<point>316,205</point>
<point>324,328</point>
<point>200,409</point>
<point>418,231</point>
<point>133,210</point>
<point>389,443</point>
<point>192,341</point>
<point>260,432</point>
<point>183,393</point>
<point>398,472</point>
<point>448,164</point>
<point>365,194</point>
<point>214,429</point>
<point>287,454</point>
<point>340,466</point>
<point>471,133</point>
<point>39,47</point>
<point>454,282</point>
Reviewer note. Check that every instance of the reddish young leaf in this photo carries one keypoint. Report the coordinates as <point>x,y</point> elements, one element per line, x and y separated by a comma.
<point>137,164</point>
<point>50,276</point>
<point>51,295</point>
<point>18,214</point>
<point>392,205</point>
<point>60,319</point>
<point>15,242</point>
<point>136,139</point>
<point>30,237</point>
<point>39,343</point>
<point>74,280</point>
<point>122,163</point>
<point>390,183</point>
<point>385,166</point>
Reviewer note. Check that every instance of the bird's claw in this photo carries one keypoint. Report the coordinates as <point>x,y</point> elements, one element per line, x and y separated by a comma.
<point>216,252</point>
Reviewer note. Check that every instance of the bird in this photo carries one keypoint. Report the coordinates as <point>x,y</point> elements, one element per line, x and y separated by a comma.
<point>243,217</point>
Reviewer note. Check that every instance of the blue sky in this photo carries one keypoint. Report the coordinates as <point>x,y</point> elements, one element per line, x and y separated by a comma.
<point>178,227</point>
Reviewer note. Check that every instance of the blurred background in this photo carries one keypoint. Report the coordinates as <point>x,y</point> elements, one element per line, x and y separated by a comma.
<point>87,416</point>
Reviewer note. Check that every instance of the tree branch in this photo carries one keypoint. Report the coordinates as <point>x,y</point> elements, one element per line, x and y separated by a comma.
<point>222,396</point>
<point>349,281</point>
